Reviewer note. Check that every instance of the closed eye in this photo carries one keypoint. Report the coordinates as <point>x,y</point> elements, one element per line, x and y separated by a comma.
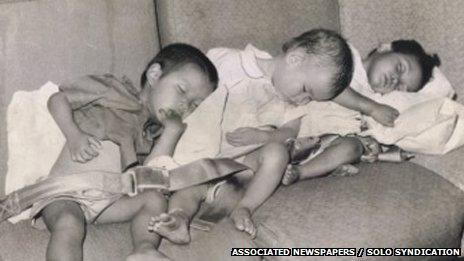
<point>181,89</point>
<point>400,68</point>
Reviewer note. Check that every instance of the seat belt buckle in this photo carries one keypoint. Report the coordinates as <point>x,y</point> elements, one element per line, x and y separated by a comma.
<point>144,177</point>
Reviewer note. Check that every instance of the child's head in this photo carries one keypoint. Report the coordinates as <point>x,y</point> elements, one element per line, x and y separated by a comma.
<point>179,78</point>
<point>317,65</point>
<point>405,66</point>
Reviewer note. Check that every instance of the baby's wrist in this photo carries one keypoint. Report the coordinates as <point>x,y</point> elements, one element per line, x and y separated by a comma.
<point>173,130</point>
<point>371,109</point>
<point>264,137</point>
<point>72,133</point>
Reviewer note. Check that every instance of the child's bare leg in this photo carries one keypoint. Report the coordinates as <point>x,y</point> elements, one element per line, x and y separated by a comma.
<point>138,210</point>
<point>342,151</point>
<point>269,164</point>
<point>66,223</point>
<point>183,205</point>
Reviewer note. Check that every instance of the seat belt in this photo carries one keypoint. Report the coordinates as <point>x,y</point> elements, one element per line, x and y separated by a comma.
<point>130,182</point>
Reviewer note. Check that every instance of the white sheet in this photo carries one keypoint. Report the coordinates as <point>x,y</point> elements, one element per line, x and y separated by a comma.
<point>34,139</point>
<point>432,127</point>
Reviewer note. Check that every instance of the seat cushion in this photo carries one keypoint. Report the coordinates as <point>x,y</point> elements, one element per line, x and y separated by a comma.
<point>385,205</point>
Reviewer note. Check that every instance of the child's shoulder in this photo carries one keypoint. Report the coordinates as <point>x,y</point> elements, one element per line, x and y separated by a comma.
<point>228,63</point>
<point>100,83</point>
<point>222,54</point>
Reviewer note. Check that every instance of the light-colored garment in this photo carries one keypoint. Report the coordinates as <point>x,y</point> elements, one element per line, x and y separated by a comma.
<point>244,98</point>
<point>92,202</point>
<point>427,121</point>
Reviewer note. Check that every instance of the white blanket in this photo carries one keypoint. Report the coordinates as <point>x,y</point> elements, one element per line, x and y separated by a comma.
<point>34,139</point>
<point>432,127</point>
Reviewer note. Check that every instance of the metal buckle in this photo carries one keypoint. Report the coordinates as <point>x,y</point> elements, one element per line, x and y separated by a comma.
<point>148,178</point>
<point>133,184</point>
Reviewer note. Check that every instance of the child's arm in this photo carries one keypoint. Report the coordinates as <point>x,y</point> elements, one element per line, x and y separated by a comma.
<point>83,147</point>
<point>384,114</point>
<point>173,130</point>
<point>247,136</point>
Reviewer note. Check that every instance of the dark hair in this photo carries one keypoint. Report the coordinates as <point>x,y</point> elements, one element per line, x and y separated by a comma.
<point>329,47</point>
<point>426,61</point>
<point>176,55</point>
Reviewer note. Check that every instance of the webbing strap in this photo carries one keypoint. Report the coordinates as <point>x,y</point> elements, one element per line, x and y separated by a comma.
<point>129,183</point>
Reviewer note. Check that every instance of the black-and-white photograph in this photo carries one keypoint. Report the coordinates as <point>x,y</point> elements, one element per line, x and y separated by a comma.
<point>230,130</point>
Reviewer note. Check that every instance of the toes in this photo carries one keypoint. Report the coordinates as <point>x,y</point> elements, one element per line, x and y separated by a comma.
<point>239,224</point>
<point>160,218</point>
<point>165,219</point>
<point>249,227</point>
<point>290,175</point>
<point>238,221</point>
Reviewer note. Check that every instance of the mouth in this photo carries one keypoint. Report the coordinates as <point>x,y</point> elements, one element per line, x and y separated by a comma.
<point>383,84</point>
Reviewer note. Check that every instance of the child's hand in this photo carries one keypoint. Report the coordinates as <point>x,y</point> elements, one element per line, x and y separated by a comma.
<point>385,115</point>
<point>83,147</point>
<point>245,136</point>
<point>172,121</point>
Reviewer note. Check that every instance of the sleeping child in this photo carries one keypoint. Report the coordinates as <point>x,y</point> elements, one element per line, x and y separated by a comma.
<point>404,68</point>
<point>255,90</point>
<point>101,107</point>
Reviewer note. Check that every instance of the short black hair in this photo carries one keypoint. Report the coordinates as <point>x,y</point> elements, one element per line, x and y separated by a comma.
<point>332,49</point>
<point>176,55</point>
<point>426,61</point>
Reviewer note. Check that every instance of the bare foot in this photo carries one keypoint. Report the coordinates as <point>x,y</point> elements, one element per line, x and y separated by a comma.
<point>291,175</point>
<point>345,170</point>
<point>173,225</point>
<point>147,254</point>
<point>242,221</point>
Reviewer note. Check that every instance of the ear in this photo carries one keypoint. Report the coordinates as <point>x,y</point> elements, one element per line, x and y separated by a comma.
<point>295,57</point>
<point>384,47</point>
<point>154,73</point>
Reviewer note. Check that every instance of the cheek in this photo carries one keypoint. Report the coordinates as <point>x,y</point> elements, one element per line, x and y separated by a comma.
<point>375,74</point>
<point>287,86</point>
<point>164,99</point>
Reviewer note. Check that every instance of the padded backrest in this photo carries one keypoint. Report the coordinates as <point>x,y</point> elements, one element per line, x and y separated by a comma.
<point>265,23</point>
<point>437,25</point>
<point>58,40</point>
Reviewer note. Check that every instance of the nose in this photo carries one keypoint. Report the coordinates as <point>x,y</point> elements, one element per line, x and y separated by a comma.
<point>394,80</point>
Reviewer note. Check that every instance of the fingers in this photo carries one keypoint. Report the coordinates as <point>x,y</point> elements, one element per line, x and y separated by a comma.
<point>235,140</point>
<point>95,144</point>
<point>389,123</point>
<point>84,155</point>
<point>77,157</point>
<point>250,228</point>
<point>90,151</point>
<point>171,114</point>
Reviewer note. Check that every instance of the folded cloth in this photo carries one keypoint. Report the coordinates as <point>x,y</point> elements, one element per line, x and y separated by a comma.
<point>432,127</point>
<point>31,132</point>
